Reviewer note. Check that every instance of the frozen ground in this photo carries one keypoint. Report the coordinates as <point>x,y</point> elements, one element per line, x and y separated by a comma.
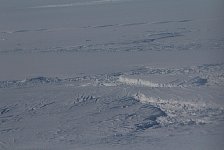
<point>111,74</point>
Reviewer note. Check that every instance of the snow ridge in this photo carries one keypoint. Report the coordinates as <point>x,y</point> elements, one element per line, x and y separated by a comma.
<point>77,4</point>
<point>141,82</point>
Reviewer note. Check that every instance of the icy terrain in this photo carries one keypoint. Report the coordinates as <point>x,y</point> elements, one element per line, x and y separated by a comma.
<point>111,74</point>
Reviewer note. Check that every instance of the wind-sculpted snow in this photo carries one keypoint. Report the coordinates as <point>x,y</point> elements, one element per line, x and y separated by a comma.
<point>139,45</point>
<point>186,70</point>
<point>111,74</point>
<point>183,113</point>
<point>147,40</point>
<point>140,82</point>
<point>204,75</point>
<point>29,82</point>
<point>113,108</point>
<point>154,34</point>
<point>207,74</point>
<point>124,120</point>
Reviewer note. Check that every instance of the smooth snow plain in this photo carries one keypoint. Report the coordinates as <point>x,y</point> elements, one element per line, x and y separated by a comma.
<point>111,74</point>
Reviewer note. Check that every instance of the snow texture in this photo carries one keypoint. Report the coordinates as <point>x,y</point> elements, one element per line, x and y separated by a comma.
<point>111,74</point>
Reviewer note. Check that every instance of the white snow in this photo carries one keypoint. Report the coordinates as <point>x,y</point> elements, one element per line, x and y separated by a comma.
<point>111,74</point>
<point>140,82</point>
<point>183,112</point>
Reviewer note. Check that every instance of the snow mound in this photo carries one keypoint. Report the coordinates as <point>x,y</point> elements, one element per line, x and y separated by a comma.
<point>127,115</point>
<point>183,113</point>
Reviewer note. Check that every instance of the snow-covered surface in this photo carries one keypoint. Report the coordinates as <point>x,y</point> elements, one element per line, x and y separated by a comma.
<point>111,74</point>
